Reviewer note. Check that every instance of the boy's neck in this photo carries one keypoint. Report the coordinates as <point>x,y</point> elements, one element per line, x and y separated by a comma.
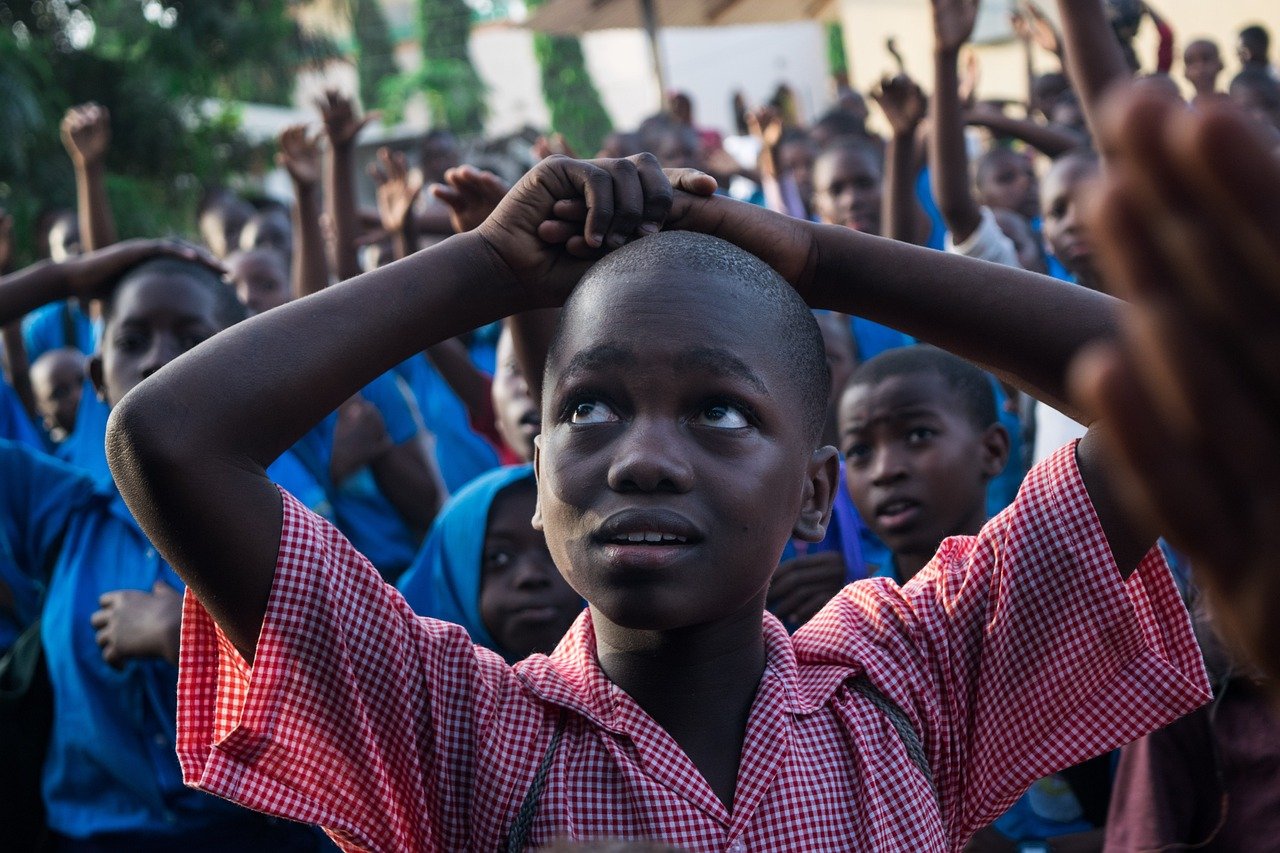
<point>698,683</point>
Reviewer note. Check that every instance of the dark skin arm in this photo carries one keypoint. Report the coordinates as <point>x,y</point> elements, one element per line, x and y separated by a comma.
<point>300,155</point>
<point>221,413</point>
<point>1186,223</point>
<point>342,125</point>
<point>1051,140</point>
<point>86,134</point>
<point>904,105</point>
<point>15,352</point>
<point>1095,60</point>
<point>953,22</point>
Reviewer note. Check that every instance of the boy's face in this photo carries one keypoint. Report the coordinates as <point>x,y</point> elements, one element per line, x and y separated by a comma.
<point>519,419</point>
<point>847,191</point>
<point>796,159</point>
<point>268,230</point>
<point>156,318</point>
<point>673,464</point>
<point>524,602</point>
<point>1008,180</point>
<point>917,466</point>
<point>1064,224</point>
<point>1203,65</point>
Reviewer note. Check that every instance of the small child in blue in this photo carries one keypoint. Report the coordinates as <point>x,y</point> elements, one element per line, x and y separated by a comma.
<point>485,568</point>
<point>109,624</point>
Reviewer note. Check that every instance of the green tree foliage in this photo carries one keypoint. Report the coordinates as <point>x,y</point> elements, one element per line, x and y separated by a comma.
<point>454,92</point>
<point>153,65</point>
<point>836,59</point>
<point>571,96</point>
<point>375,51</point>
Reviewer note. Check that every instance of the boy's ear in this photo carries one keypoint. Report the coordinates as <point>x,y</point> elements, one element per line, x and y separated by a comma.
<point>995,450</point>
<point>537,476</point>
<point>95,375</point>
<point>821,482</point>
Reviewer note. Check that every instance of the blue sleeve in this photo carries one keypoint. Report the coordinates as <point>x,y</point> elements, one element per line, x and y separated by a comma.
<point>398,410</point>
<point>14,423</point>
<point>38,495</point>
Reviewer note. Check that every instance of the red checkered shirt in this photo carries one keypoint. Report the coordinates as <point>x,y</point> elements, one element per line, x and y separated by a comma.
<point>1014,653</point>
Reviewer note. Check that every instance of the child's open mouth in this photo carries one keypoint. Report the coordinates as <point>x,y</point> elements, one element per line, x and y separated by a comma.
<point>646,538</point>
<point>897,513</point>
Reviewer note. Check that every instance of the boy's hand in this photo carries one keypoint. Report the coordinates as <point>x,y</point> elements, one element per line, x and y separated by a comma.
<point>618,200</point>
<point>398,188</point>
<point>359,438</point>
<point>903,102</point>
<point>86,134</point>
<point>953,22</point>
<point>472,195</point>
<point>300,154</point>
<point>1188,228</point>
<point>342,122</point>
<point>88,275</point>
<point>802,585</point>
<point>131,623</point>
<point>1030,23</point>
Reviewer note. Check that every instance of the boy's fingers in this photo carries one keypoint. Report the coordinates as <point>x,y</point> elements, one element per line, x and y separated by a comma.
<point>628,201</point>
<point>692,181</point>
<point>597,185</point>
<point>657,190</point>
<point>557,232</point>
<point>570,210</point>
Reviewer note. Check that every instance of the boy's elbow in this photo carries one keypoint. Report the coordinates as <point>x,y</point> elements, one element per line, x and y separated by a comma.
<point>144,440</point>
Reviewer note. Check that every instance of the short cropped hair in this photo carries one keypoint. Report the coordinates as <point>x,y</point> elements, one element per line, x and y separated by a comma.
<point>797,337</point>
<point>971,386</point>
<point>851,145</point>
<point>227,308</point>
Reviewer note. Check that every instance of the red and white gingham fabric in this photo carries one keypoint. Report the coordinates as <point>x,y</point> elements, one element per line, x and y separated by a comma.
<point>1014,653</point>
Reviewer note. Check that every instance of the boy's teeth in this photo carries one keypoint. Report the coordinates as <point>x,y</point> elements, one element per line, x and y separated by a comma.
<point>651,536</point>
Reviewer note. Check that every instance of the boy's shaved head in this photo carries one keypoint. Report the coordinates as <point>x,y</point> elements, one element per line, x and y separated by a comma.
<point>783,313</point>
<point>228,309</point>
<point>972,387</point>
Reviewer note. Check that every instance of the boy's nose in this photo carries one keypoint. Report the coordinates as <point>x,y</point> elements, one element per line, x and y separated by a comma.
<point>532,573</point>
<point>888,465</point>
<point>163,350</point>
<point>650,457</point>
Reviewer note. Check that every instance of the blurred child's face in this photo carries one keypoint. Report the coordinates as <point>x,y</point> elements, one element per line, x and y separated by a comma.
<point>674,463</point>
<point>156,318</point>
<point>221,224</point>
<point>519,418</point>
<point>1202,64</point>
<point>917,466</point>
<point>847,191</point>
<point>1008,180</point>
<point>524,602</point>
<point>57,379</point>
<point>796,159</point>
<point>1025,241</point>
<point>679,150</point>
<point>260,280</point>
<point>1063,224</point>
<point>1260,99</point>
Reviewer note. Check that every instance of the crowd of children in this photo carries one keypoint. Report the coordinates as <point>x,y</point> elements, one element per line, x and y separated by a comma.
<point>746,492</point>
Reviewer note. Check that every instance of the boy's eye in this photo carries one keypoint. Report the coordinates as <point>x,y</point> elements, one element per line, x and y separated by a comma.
<point>130,342</point>
<point>919,435</point>
<point>498,558</point>
<point>857,453</point>
<point>592,412</point>
<point>722,416</point>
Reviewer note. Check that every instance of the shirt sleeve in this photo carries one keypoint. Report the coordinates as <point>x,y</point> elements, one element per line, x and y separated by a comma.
<point>356,715</point>
<point>38,496</point>
<point>1022,650</point>
<point>987,243</point>
<point>395,403</point>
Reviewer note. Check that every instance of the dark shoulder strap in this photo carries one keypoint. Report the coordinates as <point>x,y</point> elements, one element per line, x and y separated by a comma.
<point>518,836</point>
<point>902,725</point>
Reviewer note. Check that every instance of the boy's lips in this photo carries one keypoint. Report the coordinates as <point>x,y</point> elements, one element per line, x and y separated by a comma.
<point>896,513</point>
<point>646,538</point>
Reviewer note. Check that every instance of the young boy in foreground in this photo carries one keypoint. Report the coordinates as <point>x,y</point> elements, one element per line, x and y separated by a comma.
<point>683,401</point>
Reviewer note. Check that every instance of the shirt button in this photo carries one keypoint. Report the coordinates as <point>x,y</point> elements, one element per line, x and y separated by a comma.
<point>737,846</point>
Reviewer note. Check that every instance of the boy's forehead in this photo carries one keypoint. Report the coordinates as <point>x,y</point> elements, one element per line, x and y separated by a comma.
<point>916,390</point>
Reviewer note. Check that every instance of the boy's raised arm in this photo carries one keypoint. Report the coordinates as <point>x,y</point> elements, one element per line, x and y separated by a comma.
<point>188,447</point>
<point>953,22</point>
<point>86,134</point>
<point>1095,60</point>
<point>300,155</point>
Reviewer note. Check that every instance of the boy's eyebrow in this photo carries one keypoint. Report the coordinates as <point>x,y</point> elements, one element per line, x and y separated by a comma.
<point>721,362</point>
<point>594,358</point>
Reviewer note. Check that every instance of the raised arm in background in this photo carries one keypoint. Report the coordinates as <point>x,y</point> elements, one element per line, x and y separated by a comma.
<point>86,134</point>
<point>397,192</point>
<point>15,352</point>
<point>1095,60</point>
<point>301,157</point>
<point>342,124</point>
<point>905,105</point>
<point>953,22</point>
<point>1051,140</point>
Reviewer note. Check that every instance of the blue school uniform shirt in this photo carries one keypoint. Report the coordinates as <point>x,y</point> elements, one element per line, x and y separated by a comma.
<point>36,495</point>
<point>461,454</point>
<point>444,580</point>
<point>46,328</point>
<point>111,765</point>
<point>1003,488</point>
<point>14,423</point>
<point>359,509</point>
